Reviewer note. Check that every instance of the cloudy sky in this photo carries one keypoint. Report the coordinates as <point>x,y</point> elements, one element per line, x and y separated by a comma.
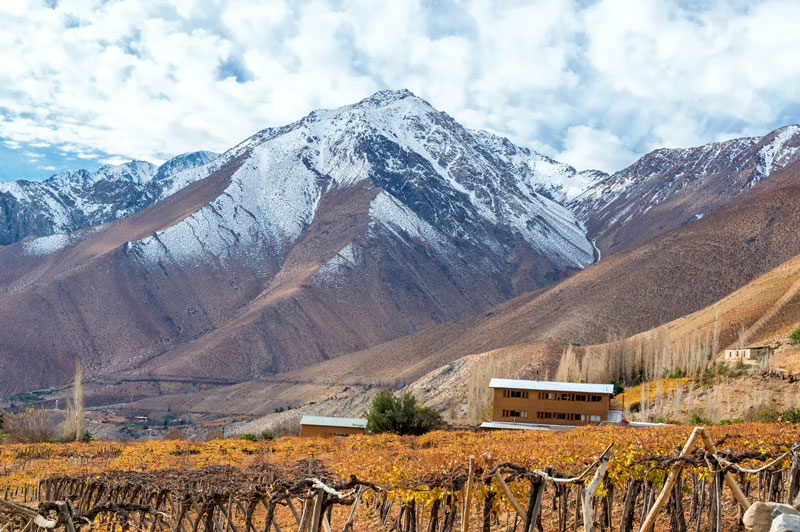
<point>591,83</point>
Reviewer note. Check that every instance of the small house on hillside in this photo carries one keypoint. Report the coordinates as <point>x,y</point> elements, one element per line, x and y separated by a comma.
<point>746,355</point>
<point>548,404</point>
<point>332,426</point>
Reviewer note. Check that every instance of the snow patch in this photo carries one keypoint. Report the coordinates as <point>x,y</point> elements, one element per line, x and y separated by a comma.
<point>46,244</point>
<point>386,211</point>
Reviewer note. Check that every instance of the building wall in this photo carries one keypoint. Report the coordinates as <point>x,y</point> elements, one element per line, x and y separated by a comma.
<point>746,354</point>
<point>325,430</point>
<point>532,405</point>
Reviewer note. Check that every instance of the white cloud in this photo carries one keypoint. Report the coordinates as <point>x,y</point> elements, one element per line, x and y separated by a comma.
<point>596,85</point>
<point>589,148</point>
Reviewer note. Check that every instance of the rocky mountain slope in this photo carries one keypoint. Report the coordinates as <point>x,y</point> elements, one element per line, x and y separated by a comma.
<point>74,200</point>
<point>668,188</point>
<point>631,291</point>
<point>557,181</point>
<point>345,229</point>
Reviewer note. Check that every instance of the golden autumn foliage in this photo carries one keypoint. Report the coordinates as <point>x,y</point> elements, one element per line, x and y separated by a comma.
<point>400,463</point>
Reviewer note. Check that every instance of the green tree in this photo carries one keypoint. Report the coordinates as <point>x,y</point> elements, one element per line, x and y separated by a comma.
<point>401,415</point>
<point>795,336</point>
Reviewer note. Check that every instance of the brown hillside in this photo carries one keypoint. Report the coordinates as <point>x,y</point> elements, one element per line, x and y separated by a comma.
<point>633,291</point>
<point>83,291</point>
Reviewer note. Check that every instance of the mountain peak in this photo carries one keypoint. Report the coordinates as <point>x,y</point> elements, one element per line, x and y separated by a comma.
<point>388,96</point>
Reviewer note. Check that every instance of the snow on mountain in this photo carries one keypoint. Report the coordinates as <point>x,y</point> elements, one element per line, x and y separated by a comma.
<point>558,181</point>
<point>434,174</point>
<point>186,161</point>
<point>669,187</point>
<point>779,149</point>
<point>73,200</point>
<point>138,172</point>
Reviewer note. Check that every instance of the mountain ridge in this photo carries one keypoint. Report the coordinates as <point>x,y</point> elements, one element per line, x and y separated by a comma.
<point>74,200</point>
<point>667,188</point>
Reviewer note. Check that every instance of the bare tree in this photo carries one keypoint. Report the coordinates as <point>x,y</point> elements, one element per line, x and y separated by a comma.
<point>478,392</point>
<point>73,423</point>
<point>31,426</point>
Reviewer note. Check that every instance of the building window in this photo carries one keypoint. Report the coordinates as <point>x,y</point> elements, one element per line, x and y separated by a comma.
<point>518,394</point>
<point>580,397</point>
<point>594,418</point>
<point>596,398</point>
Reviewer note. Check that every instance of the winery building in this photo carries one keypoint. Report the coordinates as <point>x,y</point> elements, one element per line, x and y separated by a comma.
<point>332,426</point>
<point>746,355</point>
<point>549,403</point>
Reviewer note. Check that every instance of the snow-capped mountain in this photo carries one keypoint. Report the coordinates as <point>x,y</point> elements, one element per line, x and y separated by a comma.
<point>435,183</point>
<point>670,187</point>
<point>327,236</point>
<point>73,200</point>
<point>347,228</point>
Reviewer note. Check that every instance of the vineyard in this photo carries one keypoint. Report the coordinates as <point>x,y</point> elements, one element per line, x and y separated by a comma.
<point>613,479</point>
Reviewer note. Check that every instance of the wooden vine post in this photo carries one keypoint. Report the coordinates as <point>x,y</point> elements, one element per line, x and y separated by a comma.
<point>507,492</point>
<point>729,480</point>
<point>591,489</point>
<point>701,434</point>
<point>467,497</point>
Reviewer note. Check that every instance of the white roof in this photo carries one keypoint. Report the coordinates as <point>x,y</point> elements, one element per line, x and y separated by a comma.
<point>552,386</point>
<point>353,422</point>
<point>522,426</point>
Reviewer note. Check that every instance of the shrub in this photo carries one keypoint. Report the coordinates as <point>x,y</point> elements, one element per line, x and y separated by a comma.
<point>791,416</point>
<point>401,415</point>
<point>732,421</point>
<point>248,437</point>
<point>31,426</point>
<point>87,437</point>
<point>677,374</point>
<point>767,414</point>
<point>795,336</point>
<point>175,434</point>
<point>697,418</point>
<point>635,407</point>
<point>288,426</point>
<point>267,435</point>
